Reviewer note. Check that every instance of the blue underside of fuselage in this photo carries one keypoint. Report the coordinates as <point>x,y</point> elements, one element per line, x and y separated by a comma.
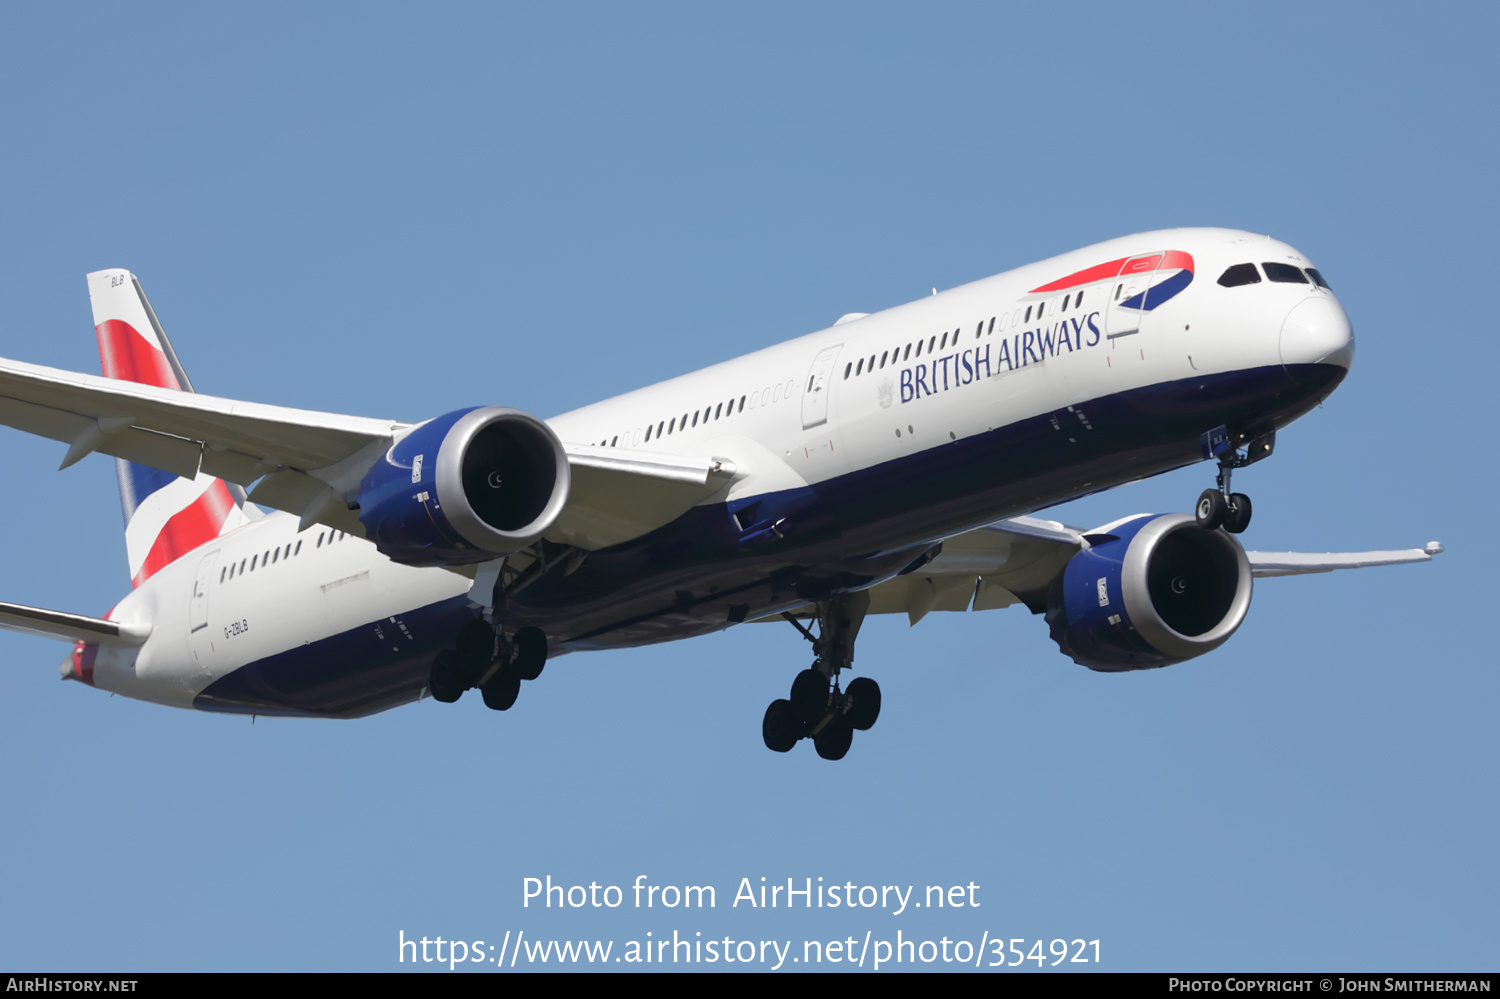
<point>707,570</point>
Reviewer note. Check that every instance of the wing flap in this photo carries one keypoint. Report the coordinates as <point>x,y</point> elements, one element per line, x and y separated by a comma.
<point>617,496</point>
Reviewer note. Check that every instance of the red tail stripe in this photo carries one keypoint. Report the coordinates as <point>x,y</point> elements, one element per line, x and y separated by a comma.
<point>129,357</point>
<point>190,527</point>
<point>83,661</point>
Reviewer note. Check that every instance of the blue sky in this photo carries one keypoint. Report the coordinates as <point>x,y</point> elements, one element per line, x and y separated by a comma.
<point>395,212</point>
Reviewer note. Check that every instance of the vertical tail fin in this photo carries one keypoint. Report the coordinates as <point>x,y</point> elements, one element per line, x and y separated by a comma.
<point>165,516</point>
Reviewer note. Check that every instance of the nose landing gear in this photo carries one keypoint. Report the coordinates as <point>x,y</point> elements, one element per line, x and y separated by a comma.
<point>1221,508</point>
<point>817,709</point>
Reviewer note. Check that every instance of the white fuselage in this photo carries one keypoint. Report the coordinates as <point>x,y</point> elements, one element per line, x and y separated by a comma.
<point>866,393</point>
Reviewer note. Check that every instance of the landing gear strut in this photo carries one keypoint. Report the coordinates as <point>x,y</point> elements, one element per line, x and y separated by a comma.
<point>817,709</point>
<point>1229,510</point>
<point>483,656</point>
<point>487,659</point>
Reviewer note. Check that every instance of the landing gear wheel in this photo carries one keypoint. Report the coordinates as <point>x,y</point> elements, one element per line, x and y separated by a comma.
<point>501,692</point>
<point>446,679</point>
<point>834,741</point>
<point>865,693</point>
<point>809,696</point>
<point>780,729</point>
<point>475,648</point>
<point>530,653</point>
<point>1238,517</point>
<point>1211,509</point>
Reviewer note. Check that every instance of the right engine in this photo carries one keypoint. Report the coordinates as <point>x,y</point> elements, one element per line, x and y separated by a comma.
<point>1152,592</point>
<point>466,487</point>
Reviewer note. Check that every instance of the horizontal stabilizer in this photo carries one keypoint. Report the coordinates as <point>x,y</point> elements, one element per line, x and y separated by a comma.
<point>71,627</point>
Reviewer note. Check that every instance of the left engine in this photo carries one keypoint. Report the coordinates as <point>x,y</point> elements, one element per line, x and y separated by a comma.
<point>465,487</point>
<point>1152,591</point>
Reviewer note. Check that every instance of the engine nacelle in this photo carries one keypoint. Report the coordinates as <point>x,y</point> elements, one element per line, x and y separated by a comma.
<point>466,487</point>
<point>1151,592</point>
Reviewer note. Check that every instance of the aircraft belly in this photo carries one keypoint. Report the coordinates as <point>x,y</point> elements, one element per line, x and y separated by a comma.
<point>378,665</point>
<point>701,574</point>
<point>706,571</point>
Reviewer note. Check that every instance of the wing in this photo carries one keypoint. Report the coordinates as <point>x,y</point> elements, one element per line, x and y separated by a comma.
<point>1015,561</point>
<point>1300,563</point>
<point>310,463</point>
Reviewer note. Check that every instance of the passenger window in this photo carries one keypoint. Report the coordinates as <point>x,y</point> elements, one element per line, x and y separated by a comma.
<point>298,549</point>
<point>221,574</point>
<point>883,357</point>
<point>1284,273</point>
<point>908,352</point>
<point>720,410</point>
<point>860,370</point>
<point>1065,302</point>
<point>1028,314</point>
<point>1079,303</point>
<point>848,368</point>
<point>1239,274</point>
<point>1313,273</point>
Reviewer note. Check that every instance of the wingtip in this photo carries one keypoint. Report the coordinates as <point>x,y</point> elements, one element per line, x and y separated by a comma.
<point>1433,548</point>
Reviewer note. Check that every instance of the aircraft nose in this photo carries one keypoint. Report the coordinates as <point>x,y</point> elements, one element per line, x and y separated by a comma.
<point>1317,332</point>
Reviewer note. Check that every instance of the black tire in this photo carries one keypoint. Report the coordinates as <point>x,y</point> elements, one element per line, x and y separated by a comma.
<point>501,692</point>
<point>834,741</point>
<point>445,681</point>
<point>1211,509</point>
<point>530,654</point>
<point>809,696</point>
<point>780,729</point>
<point>475,648</point>
<point>865,693</point>
<point>1238,517</point>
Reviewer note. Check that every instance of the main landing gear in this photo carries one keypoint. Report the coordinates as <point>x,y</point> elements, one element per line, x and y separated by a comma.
<point>487,659</point>
<point>817,709</point>
<point>1229,510</point>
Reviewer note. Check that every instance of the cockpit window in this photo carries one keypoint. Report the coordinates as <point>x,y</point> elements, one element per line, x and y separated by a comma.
<point>1285,274</point>
<point>1240,274</point>
<point>1312,272</point>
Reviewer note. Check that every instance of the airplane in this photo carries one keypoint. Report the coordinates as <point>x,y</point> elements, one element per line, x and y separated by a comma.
<point>891,463</point>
